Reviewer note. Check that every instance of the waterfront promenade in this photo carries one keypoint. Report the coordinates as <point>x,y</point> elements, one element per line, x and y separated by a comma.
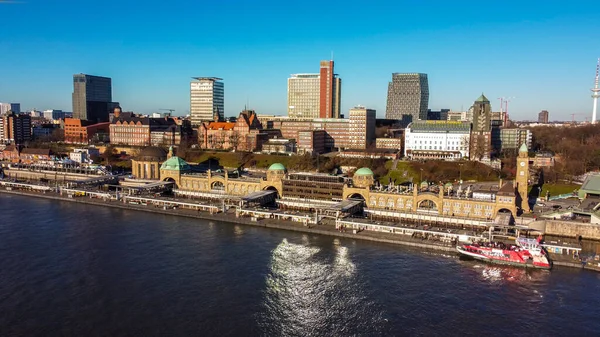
<point>320,229</point>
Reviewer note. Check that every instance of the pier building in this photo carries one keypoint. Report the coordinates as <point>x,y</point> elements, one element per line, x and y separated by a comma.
<point>502,200</point>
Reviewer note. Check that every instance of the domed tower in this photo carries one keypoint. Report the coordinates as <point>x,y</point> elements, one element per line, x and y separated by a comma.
<point>363,177</point>
<point>117,111</point>
<point>146,164</point>
<point>276,172</point>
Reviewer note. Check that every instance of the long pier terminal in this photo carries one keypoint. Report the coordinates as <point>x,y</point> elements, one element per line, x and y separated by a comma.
<point>422,215</point>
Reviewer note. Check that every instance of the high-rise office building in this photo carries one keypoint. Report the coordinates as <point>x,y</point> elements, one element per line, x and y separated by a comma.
<point>303,96</point>
<point>362,127</point>
<point>92,97</point>
<point>16,128</point>
<point>207,100</point>
<point>315,95</point>
<point>543,117</point>
<point>408,94</point>
<point>481,135</point>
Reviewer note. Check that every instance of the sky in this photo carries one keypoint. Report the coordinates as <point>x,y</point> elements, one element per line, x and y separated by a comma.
<point>543,54</point>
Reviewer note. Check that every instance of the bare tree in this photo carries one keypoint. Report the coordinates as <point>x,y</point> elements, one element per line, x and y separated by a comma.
<point>234,140</point>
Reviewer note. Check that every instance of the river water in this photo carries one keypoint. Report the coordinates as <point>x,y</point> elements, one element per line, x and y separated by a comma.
<point>77,270</point>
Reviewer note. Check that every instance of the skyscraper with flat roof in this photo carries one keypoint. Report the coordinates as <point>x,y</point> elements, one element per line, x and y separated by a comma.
<point>92,97</point>
<point>207,100</point>
<point>543,117</point>
<point>315,95</point>
<point>408,94</point>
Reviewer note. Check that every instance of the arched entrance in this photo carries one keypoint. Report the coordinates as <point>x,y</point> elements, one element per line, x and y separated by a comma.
<point>171,180</point>
<point>504,217</point>
<point>356,196</point>
<point>272,188</point>
<point>217,186</point>
<point>427,205</point>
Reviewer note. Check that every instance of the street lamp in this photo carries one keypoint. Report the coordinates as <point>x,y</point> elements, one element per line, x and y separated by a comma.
<point>460,172</point>
<point>420,181</point>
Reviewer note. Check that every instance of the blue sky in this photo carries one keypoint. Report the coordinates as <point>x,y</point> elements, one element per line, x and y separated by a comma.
<point>543,53</point>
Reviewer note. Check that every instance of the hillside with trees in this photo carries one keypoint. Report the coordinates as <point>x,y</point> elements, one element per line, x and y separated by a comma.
<point>577,149</point>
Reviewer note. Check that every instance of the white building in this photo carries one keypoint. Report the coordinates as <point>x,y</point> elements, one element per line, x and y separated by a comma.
<point>53,114</point>
<point>6,107</point>
<point>444,140</point>
<point>361,120</point>
<point>207,99</point>
<point>83,155</point>
<point>304,95</point>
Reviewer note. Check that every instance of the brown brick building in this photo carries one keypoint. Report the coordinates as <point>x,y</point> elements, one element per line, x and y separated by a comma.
<point>79,131</point>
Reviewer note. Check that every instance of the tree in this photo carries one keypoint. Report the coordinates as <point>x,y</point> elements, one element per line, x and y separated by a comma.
<point>234,140</point>
<point>109,155</point>
<point>478,147</point>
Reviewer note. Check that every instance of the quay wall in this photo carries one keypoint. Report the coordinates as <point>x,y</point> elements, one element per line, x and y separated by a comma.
<point>570,229</point>
<point>60,176</point>
<point>282,225</point>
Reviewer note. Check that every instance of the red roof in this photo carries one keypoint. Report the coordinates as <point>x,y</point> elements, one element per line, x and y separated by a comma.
<point>220,125</point>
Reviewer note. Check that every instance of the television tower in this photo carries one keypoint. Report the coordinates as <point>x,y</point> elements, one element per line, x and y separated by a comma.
<point>595,94</point>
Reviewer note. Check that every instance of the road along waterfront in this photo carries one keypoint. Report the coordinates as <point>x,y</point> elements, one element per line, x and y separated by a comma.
<point>73,269</point>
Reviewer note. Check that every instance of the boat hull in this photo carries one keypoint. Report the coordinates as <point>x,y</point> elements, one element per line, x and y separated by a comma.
<point>488,259</point>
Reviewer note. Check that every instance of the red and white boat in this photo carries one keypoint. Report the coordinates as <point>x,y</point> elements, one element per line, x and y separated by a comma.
<point>526,253</point>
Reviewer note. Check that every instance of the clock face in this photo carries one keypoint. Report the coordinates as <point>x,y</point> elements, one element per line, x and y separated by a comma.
<point>522,163</point>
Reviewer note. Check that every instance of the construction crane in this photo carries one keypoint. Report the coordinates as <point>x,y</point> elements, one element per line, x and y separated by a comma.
<point>504,107</point>
<point>573,117</point>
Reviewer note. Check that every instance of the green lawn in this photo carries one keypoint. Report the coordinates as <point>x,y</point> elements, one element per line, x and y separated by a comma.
<point>557,189</point>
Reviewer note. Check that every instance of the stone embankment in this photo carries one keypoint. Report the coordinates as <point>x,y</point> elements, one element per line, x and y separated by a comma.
<point>329,230</point>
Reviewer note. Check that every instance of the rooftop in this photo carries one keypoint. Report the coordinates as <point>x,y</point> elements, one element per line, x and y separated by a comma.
<point>591,183</point>
<point>482,98</point>
<point>439,126</point>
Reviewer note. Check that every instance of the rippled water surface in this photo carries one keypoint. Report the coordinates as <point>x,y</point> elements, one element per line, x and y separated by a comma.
<point>78,270</point>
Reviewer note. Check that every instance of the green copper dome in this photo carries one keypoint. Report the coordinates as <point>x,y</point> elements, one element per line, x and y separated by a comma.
<point>482,98</point>
<point>365,171</point>
<point>276,167</point>
<point>523,148</point>
<point>175,164</point>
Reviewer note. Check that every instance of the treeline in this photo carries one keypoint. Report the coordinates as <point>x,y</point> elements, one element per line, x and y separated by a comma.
<point>577,149</point>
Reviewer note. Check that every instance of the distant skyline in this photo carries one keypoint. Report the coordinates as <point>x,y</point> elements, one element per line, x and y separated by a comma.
<point>542,53</point>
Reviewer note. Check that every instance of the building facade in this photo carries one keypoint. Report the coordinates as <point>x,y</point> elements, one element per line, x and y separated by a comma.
<point>79,131</point>
<point>145,131</point>
<point>543,117</point>
<point>207,100</point>
<point>310,186</point>
<point>445,140</point>
<point>231,135</point>
<point>53,114</point>
<point>337,135</point>
<point>437,115</point>
<point>513,138</point>
<point>92,97</point>
<point>362,127</point>
<point>311,141</point>
<point>5,108</point>
<point>16,128</point>
<point>389,143</point>
<point>408,94</point>
<point>481,136</point>
<point>315,95</point>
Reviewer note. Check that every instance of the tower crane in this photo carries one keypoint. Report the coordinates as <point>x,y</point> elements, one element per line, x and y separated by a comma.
<point>573,117</point>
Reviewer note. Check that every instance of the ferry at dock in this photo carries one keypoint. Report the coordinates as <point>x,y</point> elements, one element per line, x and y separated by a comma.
<point>525,253</point>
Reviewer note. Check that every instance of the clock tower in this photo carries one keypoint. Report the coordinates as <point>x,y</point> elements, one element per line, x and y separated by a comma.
<point>522,178</point>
